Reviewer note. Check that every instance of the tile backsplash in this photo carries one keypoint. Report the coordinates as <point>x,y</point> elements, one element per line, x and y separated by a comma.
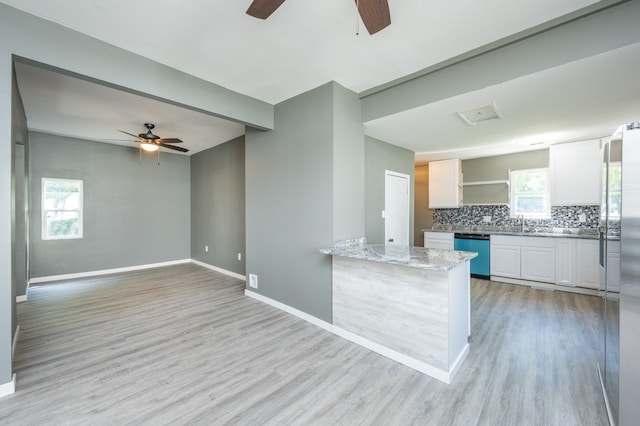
<point>561,217</point>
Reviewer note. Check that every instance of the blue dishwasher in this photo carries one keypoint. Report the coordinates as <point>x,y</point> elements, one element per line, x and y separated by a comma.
<point>480,244</point>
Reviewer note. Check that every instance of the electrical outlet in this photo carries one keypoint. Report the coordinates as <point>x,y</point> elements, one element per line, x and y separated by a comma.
<point>383,214</point>
<point>486,219</point>
<point>239,256</point>
<point>206,249</point>
<point>582,217</point>
<point>253,281</point>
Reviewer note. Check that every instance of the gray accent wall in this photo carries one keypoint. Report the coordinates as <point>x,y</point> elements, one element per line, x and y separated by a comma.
<point>348,165</point>
<point>217,206</point>
<point>381,156</point>
<point>422,213</point>
<point>291,211</point>
<point>136,211</point>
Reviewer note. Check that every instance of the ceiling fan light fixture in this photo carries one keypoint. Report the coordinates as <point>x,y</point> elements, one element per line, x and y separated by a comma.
<point>149,147</point>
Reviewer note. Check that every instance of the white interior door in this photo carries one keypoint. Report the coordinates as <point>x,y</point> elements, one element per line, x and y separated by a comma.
<point>396,207</point>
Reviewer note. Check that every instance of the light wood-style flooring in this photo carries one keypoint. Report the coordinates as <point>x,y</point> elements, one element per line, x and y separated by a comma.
<point>183,345</point>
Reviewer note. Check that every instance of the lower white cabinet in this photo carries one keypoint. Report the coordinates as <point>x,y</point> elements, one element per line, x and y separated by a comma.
<point>439,240</point>
<point>525,258</point>
<point>577,263</point>
<point>505,260</point>
<point>538,263</point>
<point>565,261</point>
<point>587,264</point>
<point>613,266</point>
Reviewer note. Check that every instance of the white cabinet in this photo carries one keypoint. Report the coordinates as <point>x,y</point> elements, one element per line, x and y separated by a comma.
<point>565,261</point>
<point>505,260</point>
<point>538,264</point>
<point>439,240</point>
<point>587,264</point>
<point>525,258</point>
<point>575,173</point>
<point>613,266</point>
<point>445,184</point>
<point>577,263</point>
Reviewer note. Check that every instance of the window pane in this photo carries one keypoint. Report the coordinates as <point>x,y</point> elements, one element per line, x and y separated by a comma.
<point>61,208</point>
<point>63,223</point>
<point>615,177</point>
<point>531,182</point>
<point>530,204</point>
<point>615,202</point>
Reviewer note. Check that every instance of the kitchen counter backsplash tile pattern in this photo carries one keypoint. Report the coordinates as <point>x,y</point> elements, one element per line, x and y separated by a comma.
<point>561,217</point>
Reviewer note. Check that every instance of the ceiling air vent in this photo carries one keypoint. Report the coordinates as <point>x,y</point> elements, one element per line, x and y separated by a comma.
<point>480,114</point>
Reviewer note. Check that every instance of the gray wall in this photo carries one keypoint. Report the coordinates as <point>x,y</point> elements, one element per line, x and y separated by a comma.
<point>217,206</point>
<point>136,212</point>
<point>381,156</point>
<point>290,198</point>
<point>422,213</point>
<point>348,165</point>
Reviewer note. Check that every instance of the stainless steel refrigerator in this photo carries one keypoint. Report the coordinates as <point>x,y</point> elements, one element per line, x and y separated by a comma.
<point>619,365</point>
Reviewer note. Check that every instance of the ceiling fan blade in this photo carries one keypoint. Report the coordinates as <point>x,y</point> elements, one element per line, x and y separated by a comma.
<point>176,148</point>
<point>375,14</point>
<point>130,134</point>
<point>262,9</point>
<point>170,140</point>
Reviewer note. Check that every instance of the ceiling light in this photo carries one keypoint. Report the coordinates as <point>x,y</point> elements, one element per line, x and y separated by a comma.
<point>480,114</point>
<point>149,147</point>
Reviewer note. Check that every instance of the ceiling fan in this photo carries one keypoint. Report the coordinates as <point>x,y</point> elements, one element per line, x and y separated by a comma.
<point>150,142</point>
<point>374,13</point>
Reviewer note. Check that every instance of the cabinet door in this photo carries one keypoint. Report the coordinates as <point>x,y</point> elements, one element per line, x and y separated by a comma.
<point>445,184</point>
<point>565,261</point>
<point>587,272</point>
<point>439,244</point>
<point>571,185</point>
<point>538,264</point>
<point>438,240</point>
<point>613,270</point>
<point>505,261</point>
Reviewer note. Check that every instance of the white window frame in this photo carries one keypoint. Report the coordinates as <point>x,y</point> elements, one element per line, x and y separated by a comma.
<point>514,194</point>
<point>79,210</point>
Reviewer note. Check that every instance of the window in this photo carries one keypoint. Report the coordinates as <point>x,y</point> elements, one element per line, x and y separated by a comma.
<point>61,209</point>
<point>530,193</point>
<point>615,190</point>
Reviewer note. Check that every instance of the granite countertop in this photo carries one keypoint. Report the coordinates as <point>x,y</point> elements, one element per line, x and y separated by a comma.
<point>583,233</point>
<point>415,257</point>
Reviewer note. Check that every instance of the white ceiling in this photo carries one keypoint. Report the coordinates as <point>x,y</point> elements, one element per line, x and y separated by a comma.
<point>307,43</point>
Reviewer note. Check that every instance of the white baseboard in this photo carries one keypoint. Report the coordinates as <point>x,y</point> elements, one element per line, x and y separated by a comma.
<point>546,286</point>
<point>293,311</point>
<point>8,388</point>
<point>217,269</point>
<point>436,373</point>
<point>21,298</point>
<point>105,271</point>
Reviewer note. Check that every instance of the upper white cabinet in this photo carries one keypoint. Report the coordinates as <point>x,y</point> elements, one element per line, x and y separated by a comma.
<point>575,173</point>
<point>445,184</point>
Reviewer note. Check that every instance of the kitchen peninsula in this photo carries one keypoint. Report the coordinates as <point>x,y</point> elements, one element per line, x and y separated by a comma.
<point>410,304</point>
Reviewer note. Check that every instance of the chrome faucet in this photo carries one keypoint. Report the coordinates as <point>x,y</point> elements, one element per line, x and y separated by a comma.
<point>521,221</point>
